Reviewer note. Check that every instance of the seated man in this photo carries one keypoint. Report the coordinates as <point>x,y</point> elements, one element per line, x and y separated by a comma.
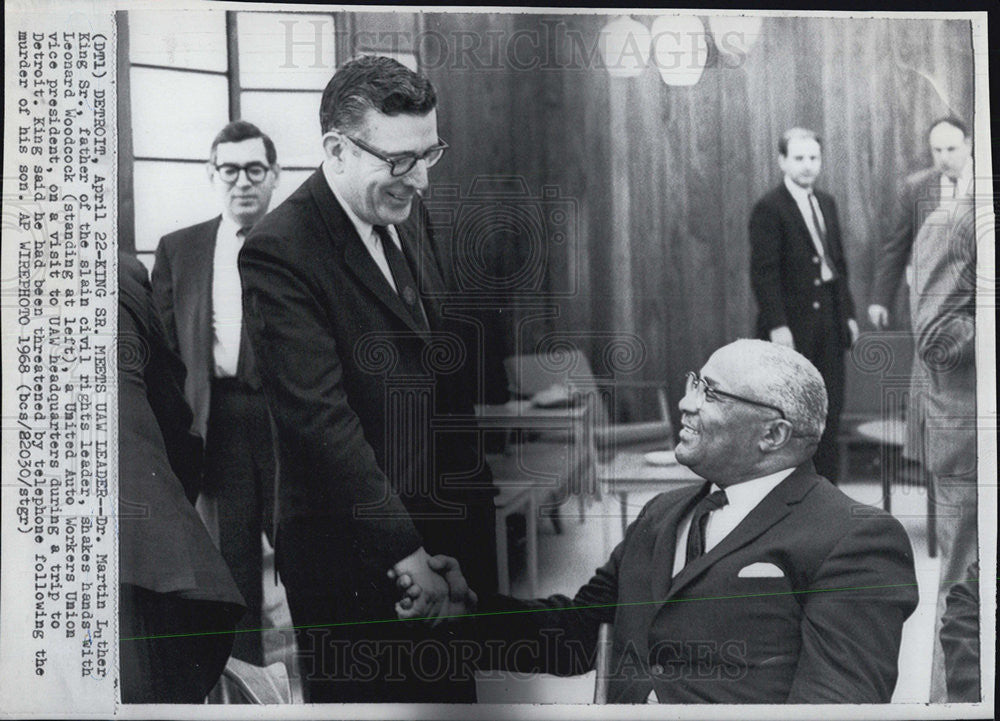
<point>764,585</point>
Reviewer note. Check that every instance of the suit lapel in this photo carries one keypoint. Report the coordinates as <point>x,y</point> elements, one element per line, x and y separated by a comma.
<point>344,235</point>
<point>792,209</point>
<point>662,565</point>
<point>200,267</point>
<point>775,506</point>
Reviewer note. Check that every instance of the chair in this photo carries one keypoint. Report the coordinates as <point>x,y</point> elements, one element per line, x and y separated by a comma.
<point>245,683</point>
<point>635,418</point>
<point>544,459</point>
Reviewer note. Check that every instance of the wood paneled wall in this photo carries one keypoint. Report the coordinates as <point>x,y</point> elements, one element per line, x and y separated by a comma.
<point>663,178</point>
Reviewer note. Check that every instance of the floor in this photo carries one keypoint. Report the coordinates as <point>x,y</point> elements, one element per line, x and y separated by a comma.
<point>567,560</point>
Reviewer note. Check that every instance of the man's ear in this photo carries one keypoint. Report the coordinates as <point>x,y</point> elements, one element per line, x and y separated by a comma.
<point>335,147</point>
<point>210,170</point>
<point>776,436</point>
<point>276,169</point>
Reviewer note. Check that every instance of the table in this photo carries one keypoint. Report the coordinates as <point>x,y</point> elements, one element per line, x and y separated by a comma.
<point>628,472</point>
<point>519,494</point>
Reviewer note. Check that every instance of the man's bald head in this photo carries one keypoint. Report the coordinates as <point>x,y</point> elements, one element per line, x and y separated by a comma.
<point>785,378</point>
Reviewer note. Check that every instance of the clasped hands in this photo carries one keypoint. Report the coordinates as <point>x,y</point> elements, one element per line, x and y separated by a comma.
<point>433,588</point>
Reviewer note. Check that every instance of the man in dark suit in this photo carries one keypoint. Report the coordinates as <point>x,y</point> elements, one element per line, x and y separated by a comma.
<point>920,194</point>
<point>196,287</point>
<point>799,276</point>
<point>371,376</point>
<point>178,604</point>
<point>764,585</point>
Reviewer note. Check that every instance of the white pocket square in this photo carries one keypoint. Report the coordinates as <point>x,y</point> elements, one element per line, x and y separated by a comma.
<point>761,570</point>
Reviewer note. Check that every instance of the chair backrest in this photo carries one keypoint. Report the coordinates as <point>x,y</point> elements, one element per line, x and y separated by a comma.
<point>529,374</point>
<point>627,414</point>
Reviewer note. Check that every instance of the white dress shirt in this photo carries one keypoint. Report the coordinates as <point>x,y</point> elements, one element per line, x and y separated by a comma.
<point>804,198</point>
<point>365,230</point>
<point>227,300</point>
<point>959,188</point>
<point>743,498</point>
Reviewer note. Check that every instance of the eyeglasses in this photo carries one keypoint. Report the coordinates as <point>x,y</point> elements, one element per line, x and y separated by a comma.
<point>402,163</point>
<point>230,173</point>
<point>701,389</point>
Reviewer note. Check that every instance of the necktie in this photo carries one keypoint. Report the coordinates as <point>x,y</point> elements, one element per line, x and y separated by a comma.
<point>246,368</point>
<point>821,232</point>
<point>406,286</point>
<point>696,533</point>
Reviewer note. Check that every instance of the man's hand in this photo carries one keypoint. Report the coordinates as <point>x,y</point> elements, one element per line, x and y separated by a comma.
<point>432,589</point>
<point>852,326</point>
<point>460,601</point>
<point>782,335</point>
<point>878,315</point>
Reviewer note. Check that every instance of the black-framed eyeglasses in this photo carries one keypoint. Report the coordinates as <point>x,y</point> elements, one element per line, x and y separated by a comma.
<point>402,163</point>
<point>230,172</point>
<point>701,390</point>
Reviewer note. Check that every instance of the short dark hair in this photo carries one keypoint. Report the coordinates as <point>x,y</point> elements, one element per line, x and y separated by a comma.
<point>795,134</point>
<point>373,82</point>
<point>239,130</point>
<point>950,120</point>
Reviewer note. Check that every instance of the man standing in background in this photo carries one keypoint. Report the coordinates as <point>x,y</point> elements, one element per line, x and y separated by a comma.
<point>196,287</point>
<point>943,419</point>
<point>799,276</point>
<point>921,193</point>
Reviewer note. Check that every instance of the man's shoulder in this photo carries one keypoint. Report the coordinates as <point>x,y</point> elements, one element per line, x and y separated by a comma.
<point>773,197</point>
<point>921,178</point>
<point>826,506</point>
<point>185,237</point>
<point>296,214</point>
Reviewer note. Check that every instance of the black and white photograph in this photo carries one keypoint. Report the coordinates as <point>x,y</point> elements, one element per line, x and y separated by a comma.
<point>402,362</point>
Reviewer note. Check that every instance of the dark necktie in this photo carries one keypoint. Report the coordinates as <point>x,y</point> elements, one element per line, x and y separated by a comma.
<point>821,232</point>
<point>406,286</point>
<point>246,367</point>
<point>696,533</point>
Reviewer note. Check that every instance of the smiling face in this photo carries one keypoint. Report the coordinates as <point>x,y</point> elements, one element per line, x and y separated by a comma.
<point>803,161</point>
<point>721,440</point>
<point>950,149</point>
<point>365,182</point>
<point>242,201</point>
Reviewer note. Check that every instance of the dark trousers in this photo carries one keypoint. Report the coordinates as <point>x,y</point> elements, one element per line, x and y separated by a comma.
<point>350,647</point>
<point>239,473</point>
<point>173,649</point>
<point>825,348</point>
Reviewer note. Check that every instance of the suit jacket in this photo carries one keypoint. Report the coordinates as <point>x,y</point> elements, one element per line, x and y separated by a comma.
<point>919,195</point>
<point>785,269</point>
<point>943,305</point>
<point>182,290</point>
<point>357,392</point>
<point>822,626</point>
<point>164,545</point>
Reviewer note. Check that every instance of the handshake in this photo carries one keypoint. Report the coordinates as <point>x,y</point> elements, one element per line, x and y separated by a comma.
<point>433,588</point>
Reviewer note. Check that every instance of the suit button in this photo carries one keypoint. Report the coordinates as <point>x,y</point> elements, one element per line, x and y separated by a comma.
<point>815,259</point>
<point>815,305</point>
<point>656,670</point>
<point>817,281</point>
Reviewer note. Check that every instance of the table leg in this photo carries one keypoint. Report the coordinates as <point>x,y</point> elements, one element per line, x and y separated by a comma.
<point>503,561</point>
<point>623,502</point>
<point>532,545</point>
